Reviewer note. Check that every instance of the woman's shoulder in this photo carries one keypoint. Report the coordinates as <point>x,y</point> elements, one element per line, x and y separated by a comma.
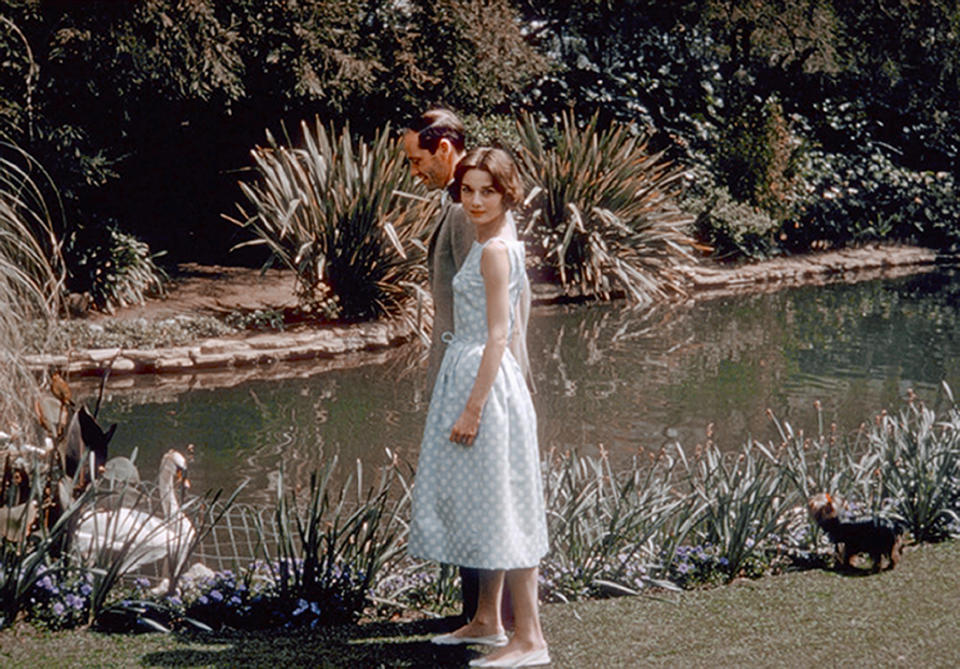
<point>504,242</point>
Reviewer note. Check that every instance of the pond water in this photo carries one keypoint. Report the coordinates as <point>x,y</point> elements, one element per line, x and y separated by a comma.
<point>606,377</point>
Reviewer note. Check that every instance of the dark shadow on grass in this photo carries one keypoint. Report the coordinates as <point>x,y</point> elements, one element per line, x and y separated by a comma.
<point>405,644</point>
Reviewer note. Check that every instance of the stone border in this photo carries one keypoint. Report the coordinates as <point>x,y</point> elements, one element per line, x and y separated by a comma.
<point>234,355</point>
<point>847,265</point>
<point>238,353</point>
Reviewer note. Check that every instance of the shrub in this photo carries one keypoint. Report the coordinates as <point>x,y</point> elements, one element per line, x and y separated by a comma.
<point>866,197</point>
<point>604,217</point>
<point>734,230</point>
<point>117,270</point>
<point>756,157</point>
<point>336,212</point>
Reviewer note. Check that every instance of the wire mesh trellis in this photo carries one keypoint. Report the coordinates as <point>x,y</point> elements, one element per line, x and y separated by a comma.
<point>230,534</point>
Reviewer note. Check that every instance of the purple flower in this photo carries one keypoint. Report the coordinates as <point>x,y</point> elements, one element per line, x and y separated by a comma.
<point>215,595</point>
<point>74,602</point>
<point>47,584</point>
<point>85,590</point>
<point>683,567</point>
<point>58,609</point>
<point>142,583</point>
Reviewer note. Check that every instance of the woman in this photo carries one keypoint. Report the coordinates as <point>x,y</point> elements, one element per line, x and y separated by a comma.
<point>478,498</point>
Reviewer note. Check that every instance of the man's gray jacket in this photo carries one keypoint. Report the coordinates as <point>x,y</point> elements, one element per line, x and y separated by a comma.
<point>450,242</point>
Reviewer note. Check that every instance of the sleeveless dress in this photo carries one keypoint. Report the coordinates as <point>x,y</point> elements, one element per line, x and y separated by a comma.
<point>482,505</point>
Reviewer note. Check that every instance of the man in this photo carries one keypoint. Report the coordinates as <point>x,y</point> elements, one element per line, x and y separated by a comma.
<point>434,144</point>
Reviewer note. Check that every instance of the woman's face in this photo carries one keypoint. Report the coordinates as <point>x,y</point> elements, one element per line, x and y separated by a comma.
<point>482,202</point>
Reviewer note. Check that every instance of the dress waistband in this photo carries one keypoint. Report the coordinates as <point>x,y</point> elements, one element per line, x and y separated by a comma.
<point>450,338</point>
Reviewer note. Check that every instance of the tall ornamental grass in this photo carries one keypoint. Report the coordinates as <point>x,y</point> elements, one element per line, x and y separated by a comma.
<point>604,219</point>
<point>31,277</point>
<point>338,212</point>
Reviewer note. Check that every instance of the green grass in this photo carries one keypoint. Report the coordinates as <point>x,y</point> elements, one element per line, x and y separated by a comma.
<point>902,617</point>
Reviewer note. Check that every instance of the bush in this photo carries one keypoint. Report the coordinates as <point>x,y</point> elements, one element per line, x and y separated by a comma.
<point>604,217</point>
<point>756,156</point>
<point>116,271</point>
<point>732,229</point>
<point>338,213</point>
<point>854,198</point>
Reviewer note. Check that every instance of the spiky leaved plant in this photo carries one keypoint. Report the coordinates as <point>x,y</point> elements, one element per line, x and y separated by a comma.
<point>604,217</point>
<point>337,212</point>
<point>31,278</point>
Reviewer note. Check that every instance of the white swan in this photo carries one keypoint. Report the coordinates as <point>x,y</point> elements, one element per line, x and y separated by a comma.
<point>138,538</point>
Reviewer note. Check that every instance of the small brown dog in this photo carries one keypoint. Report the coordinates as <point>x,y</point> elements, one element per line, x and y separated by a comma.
<point>879,537</point>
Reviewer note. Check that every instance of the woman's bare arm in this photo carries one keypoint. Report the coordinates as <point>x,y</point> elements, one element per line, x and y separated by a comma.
<point>495,268</point>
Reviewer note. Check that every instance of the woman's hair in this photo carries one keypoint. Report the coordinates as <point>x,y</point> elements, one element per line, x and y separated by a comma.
<point>501,168</point>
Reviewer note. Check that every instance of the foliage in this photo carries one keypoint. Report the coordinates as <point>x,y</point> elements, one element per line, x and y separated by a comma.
<point>24,562</point>
<point>602,525</point>
<point>867,196</point>
<point>60,599</point>
<point>732,229</point>
<point>113,332</point>
<point>604,218</point>
<point>162,86</point>
<point>492,130</point>
<point>756,155</point>
<point>336,212</point>
<point>117,271</point>
<point>743,502</point>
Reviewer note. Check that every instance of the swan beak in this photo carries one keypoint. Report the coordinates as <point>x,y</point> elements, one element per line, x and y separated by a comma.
<point>183,479</point>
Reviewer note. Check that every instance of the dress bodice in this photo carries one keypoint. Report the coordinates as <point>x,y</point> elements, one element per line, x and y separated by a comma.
<point>469,294</point>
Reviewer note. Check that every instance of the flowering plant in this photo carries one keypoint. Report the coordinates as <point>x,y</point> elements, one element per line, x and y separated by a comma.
<point>60,598</point>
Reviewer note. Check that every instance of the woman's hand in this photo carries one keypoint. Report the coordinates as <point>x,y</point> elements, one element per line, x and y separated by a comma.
<point>465,429</point>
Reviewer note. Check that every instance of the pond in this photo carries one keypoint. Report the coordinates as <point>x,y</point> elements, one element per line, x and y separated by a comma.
<point>607,377</point>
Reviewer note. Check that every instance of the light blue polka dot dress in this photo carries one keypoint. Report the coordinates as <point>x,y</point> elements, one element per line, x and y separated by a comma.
<point>482,505</point>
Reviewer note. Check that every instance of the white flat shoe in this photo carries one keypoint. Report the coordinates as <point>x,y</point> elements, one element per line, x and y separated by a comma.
<point>530,659</point>
<point>499,639</point>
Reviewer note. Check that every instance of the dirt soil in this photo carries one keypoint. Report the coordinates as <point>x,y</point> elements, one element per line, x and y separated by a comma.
<point>216,290</point>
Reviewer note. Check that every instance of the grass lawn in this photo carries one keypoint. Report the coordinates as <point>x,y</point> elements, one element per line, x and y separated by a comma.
<point>905,617</point>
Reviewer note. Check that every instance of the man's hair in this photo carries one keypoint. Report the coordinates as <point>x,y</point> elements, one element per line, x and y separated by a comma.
<point>501,168</point>
<point>437,124</point>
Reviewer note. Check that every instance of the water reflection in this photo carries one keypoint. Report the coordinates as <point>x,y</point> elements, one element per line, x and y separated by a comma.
<point>604,375</point>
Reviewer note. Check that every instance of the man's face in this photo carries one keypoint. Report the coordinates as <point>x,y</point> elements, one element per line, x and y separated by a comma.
<point>433,169</point>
